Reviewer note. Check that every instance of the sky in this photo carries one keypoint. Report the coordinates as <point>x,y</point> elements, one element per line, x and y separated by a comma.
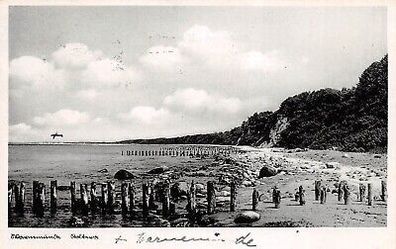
<point>113,73</point>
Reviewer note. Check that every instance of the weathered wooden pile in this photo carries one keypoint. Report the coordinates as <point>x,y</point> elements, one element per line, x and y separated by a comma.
<point>344,192</point>
<point>191,151</point>
<point>90,201</point>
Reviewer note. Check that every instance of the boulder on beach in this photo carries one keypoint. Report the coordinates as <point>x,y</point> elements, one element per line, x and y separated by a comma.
<point>158,170</point>
<point>267,171</point>
<point>123,175</point>
<point>247,217</point>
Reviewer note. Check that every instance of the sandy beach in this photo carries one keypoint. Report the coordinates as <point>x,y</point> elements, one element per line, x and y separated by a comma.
<point>294,168</point>
<point>297,169</point>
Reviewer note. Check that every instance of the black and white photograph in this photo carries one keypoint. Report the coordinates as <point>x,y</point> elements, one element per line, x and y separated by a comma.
<point>197,116</point>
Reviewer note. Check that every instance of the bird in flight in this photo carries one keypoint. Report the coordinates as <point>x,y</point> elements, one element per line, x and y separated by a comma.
<point>56,134</point>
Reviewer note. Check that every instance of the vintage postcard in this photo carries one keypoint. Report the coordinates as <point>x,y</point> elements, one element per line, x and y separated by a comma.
<point>197,124</point>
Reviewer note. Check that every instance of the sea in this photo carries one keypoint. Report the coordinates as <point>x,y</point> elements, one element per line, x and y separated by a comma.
<point>82,163</point>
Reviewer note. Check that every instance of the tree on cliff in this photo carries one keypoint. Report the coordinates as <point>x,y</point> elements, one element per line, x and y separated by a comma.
<point>353,119</point>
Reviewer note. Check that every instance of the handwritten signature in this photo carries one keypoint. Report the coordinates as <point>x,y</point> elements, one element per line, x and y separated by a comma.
<point>119,239</point>
<point>245,240</point>
<point>144,238</point>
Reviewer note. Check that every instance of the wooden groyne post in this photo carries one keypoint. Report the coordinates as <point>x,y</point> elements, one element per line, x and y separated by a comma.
<point>16,191</point>
<point>145,191</point>
<point>211,197</point>
<point>362,192</point>
<point>110,193</point>
<point>255,199</point>
<point>94,201</point>
<point>297,196</point>
<point>233,196</point>
<point>20,197</point>
<point>54,195</point>
<point>340,190</point>
<point>318,185</point>
<point>72,196</point>
<point>131,192</point>
<point>151,193</point>
<point>369,195</point>
<point>10,194</point>
<point>347,193</point>
<point>383,190</point>
<point>105,198</point>
<point>35,196</point>
<point>301,195</point>
<point>323,195</point>
<point>124,198</point>
<point>84,198</point>
<point>191,205</point>
<point>276,197</point>
<point>165,200</point>
<point>40,199</point>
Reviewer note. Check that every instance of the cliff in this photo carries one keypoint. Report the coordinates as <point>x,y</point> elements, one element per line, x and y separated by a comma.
<point>349,119</point>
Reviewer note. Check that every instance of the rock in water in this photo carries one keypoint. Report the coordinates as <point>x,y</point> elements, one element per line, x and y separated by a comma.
<point>103,171</point>
<point>123,175</point>
<point>267,171</point>
<point>247,217</point>
<point>158,170</point>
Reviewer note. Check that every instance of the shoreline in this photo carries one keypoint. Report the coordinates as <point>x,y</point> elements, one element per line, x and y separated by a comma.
<point>295,169</point>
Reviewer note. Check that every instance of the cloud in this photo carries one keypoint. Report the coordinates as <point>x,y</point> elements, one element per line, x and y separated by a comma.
<point>61,118</point>
<point>73,66</point>
<point>192,100</point>
<point>163,58</point>
<point>257,61</point>
<point>108,73</point>
<point>35,72</point>
<point>21,132</point>
<point>20,128</point>
<point>217,50</point>
<point>75,56</point>
<point>200,41</point>
<point>146,115</point>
